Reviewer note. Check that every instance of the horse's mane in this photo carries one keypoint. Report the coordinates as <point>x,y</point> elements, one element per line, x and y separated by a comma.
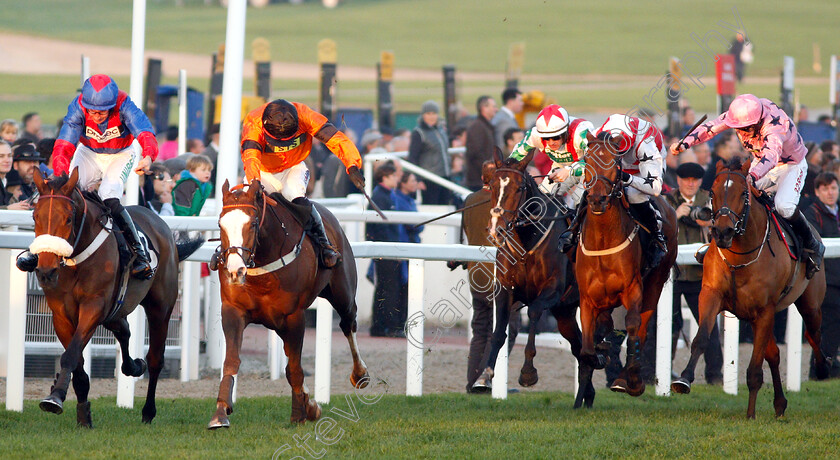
<point>58,182</point>
<point>734,164</point>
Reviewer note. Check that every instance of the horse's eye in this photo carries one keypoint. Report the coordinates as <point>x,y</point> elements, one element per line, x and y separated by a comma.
<point>69,221</point>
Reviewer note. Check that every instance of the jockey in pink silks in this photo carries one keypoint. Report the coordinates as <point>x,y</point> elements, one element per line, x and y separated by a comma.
<point>778,165</point>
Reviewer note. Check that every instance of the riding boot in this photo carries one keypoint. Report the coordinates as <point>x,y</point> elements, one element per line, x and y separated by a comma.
<point>813,246</point>
<point>569,238</point>
<point>141,268</point>
<point>329,253</point>
<point>649,218</point>
<point>27,261</point>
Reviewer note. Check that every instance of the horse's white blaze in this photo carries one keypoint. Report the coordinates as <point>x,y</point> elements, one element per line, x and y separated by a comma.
<point>52,244</point>
<point>503,182</point>
<point>233,224</point>
<point>728,183</point>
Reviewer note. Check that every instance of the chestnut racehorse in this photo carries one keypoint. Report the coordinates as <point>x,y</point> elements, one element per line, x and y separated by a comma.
<point>609,262</point>
<point>269,275</point>
<point>747,271</point>
<point>525,226</point>
<point>78,269</point>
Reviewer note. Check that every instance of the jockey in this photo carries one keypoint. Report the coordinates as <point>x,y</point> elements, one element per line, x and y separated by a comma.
<point>778,164</point>
<point>276,138</point>
<point>564,140</point>
<point>642,168</point>
<point>97,137</point>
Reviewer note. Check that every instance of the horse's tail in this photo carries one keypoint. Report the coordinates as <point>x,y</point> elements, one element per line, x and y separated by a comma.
<point>186,246</point>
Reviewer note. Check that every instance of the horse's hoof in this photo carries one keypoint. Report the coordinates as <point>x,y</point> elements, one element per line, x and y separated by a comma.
<point>313,411</point>
<point>83,418</point>
<point>360,382</point>
<point>51,404</point>
<point>822,371</point>
<point>141,364</point>
<point>638,391</point>
<point>619,385</point>
<point>218,422</point>
<point>528,379</point>
<point>681,386</point>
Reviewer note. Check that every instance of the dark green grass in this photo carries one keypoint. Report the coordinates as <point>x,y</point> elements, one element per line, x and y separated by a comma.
<point>704,424</point>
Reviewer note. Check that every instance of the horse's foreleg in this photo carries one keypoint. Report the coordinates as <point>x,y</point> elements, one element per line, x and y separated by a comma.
<point>809,305</point>
<point>528,375</point>
<point>485,381</point>
<point>630,381</point>
<point>130,367</point>
<point>158,327</point>
<point>303,408</point>
<point>771,354</point>
<point>81,385</point>
<point>588,315</point>
<point>71,359</point>
<point>233,324</point>
<point>762,331</point>
<point>359,378</point>
<point>709,307</point>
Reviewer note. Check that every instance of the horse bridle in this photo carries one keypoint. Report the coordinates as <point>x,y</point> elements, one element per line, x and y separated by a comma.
<point>739,220</point>
<point>73,224</point>
<point>616,188</point>
<point>509,224</point>
<point>247,254</point>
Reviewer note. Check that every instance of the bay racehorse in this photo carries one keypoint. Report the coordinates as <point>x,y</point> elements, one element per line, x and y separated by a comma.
<point>748,271</point>
<point>269,275</point>
<point>525,226</point>
<point>80,273</point>
<point>609,261</point>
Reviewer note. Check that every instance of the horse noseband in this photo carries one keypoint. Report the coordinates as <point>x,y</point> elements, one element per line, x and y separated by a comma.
<point>246,254</point>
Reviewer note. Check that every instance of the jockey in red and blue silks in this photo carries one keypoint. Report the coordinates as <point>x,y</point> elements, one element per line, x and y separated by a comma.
<point>97,137</point>
<point>778,166</point>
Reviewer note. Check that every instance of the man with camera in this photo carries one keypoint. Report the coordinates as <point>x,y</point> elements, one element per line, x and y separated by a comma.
<point>694,215</point>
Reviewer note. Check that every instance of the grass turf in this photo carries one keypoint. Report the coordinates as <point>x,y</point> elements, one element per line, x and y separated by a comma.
<point>706,424</point>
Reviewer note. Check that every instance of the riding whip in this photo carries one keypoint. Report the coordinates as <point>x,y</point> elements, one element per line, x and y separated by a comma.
<point>453,212</point>
<point>699,122</point>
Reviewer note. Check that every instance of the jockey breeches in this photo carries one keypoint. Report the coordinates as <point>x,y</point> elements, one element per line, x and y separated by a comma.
<point>786,181</point>
<point>291,183</point>
<point>110,168</point>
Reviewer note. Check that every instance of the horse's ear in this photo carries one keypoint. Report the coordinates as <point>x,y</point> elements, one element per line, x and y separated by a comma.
<point>497,157</point>
<point>39,180</point>
<point>226,187</point>
<point>71,182</point>
<point>255,188</point>
<point>720,166</point>
<point>745,168</point>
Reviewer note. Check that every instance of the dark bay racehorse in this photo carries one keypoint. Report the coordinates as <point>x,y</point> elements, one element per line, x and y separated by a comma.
<point>747,271</point>
<point>530,266</point>
<point>269,275</point>
<point>79,271</point>
<point>609,263</point>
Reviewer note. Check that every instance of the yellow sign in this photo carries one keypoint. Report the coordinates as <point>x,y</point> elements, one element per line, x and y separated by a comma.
<point>516,60</point>
<point>676,75</point>
<point>327,52</point>
<point>220,60</point>
<point>249,103</point>
<point>260,50</point>
<point>386,65</point>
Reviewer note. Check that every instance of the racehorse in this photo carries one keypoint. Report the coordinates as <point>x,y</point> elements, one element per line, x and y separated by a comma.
<point>79,271</point>
<point>269,275</point>
<point>747,271</point>
<point>609,262</point>
<point>530,266</point>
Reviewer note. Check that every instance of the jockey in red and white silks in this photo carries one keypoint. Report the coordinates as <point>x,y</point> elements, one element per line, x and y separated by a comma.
<point>778,165</point>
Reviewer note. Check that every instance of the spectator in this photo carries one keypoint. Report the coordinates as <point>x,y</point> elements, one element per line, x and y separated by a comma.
<point>456,168</point>
<point>694,214</point>
<point>429,150</point>
<point>7,198</point>
<point>169,148</point>
<point>742,51</point>
<point>9,131</point>
<point>211,151</point>
<point>481,141</point>
<point>193,188</point>
<point>505,118</point>
<point>814,157</point>
<point>831,149</point>
<point>370,140</point>
<point>45,148</point>
<point>385,317</point>
<point>458,137</point>
<point>26,160</point>
<point>727,147</point>
<point>195,146</point>
<point>157,190</point>
<point>31,127</point>
<point>703,155</point>
<point>511,137</point>
<point>822,213</point>
<point>687,116</point>
<point>400,141</point>
<point>404,201</point>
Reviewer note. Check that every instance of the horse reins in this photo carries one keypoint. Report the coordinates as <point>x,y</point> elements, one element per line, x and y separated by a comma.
<point>241,251</point>
<point>741,222</point>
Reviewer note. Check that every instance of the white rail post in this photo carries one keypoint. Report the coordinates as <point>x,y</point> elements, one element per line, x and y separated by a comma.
<point>794,349</point>
<point>182,112</point>
<point>277,357</point>
<point>500,376</point>
<point>730,353</point>
<point>323,350</point>
<point>664,324</point>
<point>414,329</point>
<point>189,303</point>
<point>13,307</point>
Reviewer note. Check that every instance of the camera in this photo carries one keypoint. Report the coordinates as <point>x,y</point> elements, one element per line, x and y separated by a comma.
<point>700,213</point>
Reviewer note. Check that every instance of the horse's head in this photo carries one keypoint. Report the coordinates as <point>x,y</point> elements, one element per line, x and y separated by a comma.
<point>601,177</point>
<point>56,232</point>
<point>243,210</point>
<point>509,190</point>
<point>730,201</point>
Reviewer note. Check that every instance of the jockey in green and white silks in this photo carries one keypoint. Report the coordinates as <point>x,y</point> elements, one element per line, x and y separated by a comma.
<point>564,140</point>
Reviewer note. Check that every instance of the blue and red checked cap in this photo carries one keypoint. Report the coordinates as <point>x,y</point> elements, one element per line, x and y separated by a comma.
<point>99,93</point>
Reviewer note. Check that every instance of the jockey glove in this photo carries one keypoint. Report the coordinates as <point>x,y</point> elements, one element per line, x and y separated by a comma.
<point>625,177</point>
